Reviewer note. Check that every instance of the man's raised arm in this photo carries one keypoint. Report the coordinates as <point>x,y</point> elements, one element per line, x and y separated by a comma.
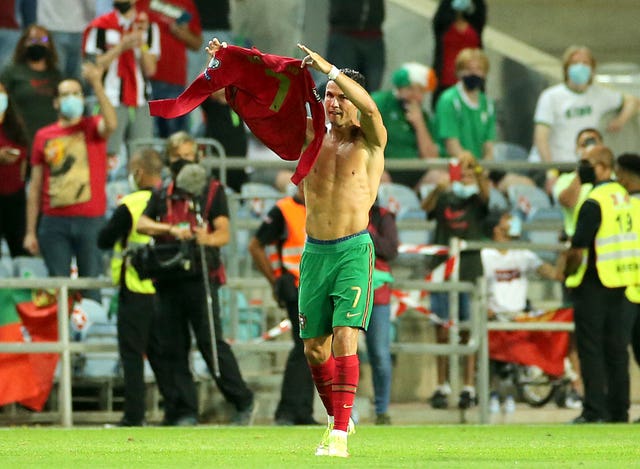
<point>370,118</point>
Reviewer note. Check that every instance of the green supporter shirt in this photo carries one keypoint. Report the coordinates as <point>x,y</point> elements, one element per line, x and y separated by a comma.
<point>401,137</point>
<point>457,118</point>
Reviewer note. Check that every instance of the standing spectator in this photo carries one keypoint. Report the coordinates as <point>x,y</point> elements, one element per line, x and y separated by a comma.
<point>13,168</point>
<point>14,16</point>
<point>606,233</point>
<point>127,46</point>
<point>356,39</point>
<point>410,129</point>
<point>465,116</point>
<point>457,25</point>
<point>136,297</point>
<point>276,249</point>
<point>66,19</point>
<point>566,108</point>
<point>182,296</point>
<point>225,125</point>
<point>31,79</point>
<point>179,23</point>
<point>384,233</point>
<point>459,209</point>
<point>68,178</point>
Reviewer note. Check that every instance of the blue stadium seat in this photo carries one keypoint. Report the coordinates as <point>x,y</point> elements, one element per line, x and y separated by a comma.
<point>398,198</point>
<point>528,198</point>
<point>505,151</point>
<point>545,236</point>
<point>29,267</point>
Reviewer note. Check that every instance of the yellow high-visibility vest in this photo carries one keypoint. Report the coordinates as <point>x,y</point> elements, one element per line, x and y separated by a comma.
<point>617,242</point>
<point>136,203</point>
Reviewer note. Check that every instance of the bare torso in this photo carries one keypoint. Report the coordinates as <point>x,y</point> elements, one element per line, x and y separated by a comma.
<point>342,185</point>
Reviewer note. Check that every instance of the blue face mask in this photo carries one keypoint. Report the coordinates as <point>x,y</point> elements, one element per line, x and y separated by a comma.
<point>71,107</point>
<point>4,102</point>
<point>464,191</point>
<point>461,5</point>
<point>580,74</point>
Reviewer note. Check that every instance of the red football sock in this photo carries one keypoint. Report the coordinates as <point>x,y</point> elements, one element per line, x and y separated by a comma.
<point>345,385</point>
<point>323,378</point>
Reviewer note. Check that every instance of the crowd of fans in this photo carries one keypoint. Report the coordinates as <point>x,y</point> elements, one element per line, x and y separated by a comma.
<point>66,146</point>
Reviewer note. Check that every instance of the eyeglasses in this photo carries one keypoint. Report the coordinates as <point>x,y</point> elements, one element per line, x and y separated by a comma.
<point>37,40</point>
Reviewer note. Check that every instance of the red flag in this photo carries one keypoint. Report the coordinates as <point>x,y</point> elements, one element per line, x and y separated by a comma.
<point>544,349</point>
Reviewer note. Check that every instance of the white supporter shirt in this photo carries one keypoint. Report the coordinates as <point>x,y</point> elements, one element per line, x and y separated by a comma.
<point>567,113</point>
<point>112,82</point>
<point>506,273</point>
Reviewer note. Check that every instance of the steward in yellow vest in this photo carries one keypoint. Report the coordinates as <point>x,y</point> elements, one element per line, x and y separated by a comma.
<point>136,297</point>
<point>601,263</point>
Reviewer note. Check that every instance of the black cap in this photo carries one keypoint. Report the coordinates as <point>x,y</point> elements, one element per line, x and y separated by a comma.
<point>630,162</point>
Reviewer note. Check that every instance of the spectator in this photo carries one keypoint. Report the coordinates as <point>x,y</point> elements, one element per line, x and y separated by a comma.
<point>183,296</point>
<point>127,46</point>
<point>179,24</point>
<point>66,19</point>
<point>32,77</point>
<point>13,168</point>
<point>14,16</point>
<point>410,129</point>
<point>68,178</point>
<point>457,25</point>
<point>566,108</point>
<point>223,124</point>
<point>384,233</point>
<point>459,209</point>
<point>465,116</point>
<point>282,233</point>
<point>356,39</point>
<point>136,297</point>
<point>603,316</point>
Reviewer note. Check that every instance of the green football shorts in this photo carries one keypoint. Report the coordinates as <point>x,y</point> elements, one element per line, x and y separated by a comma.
<point>336,286</point>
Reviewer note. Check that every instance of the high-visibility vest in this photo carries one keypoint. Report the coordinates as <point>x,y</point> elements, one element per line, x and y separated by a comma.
<point>290,253</point>
<point>135,203</point>
<point>633,293</point>
<point>617,244</point>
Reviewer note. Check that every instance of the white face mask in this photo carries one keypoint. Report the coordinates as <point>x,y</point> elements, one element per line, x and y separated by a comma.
<point>515,227</point>
<point>464,191</point>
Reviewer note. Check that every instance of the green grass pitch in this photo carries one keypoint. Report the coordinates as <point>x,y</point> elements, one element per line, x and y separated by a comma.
<point>444,446</point>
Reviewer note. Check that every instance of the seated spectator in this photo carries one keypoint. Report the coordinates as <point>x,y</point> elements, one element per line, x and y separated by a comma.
<point>68,179</point>
<point>13,168</point>
<point>465,116</point>
<point>410,128</point>
<point>459,209</point>
<point>127,46</point>
<point>566,108</point>
<point>32,77</point>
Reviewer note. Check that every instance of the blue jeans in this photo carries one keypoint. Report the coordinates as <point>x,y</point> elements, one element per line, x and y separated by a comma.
<point>378,341</point>
<point>366,55</point>
<point>166,127</point>
<point>8,40</point>
<point>440,305</point>
<point>68,46</point>
<point>61,238</point>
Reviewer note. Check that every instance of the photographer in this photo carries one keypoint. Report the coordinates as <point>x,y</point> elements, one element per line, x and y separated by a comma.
<point>276,249</point>
<point>190,213</point>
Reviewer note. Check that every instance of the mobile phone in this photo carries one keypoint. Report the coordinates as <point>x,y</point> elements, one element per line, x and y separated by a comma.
<point>13,151</point>
<point>455,170</point>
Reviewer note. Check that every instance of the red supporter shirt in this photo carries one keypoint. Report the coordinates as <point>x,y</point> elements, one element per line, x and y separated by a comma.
<point>10,174</point>
<point>453,42</point>
<point>270,93</point>
<point>172,64</point>
<point>74,172</point>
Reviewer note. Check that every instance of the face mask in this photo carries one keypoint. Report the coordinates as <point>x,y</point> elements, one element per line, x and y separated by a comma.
<point>473,82</point>
<point>133,185</point>
<point>4,102</point>
<point>586,172</point>
<point>122,7</point>
<point>461,5</point>
<point>177,165</point>
<point>580,74</point>
<point>515,227</point>
<point>37,52</point>
<point>71,107</point>
<point>464,191</point>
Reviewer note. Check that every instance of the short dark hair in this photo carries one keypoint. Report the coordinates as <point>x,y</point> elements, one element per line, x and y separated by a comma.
<point>590,130</point>
<point>629,162</point>
<point>56,90</point>
<point>354,75</point>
